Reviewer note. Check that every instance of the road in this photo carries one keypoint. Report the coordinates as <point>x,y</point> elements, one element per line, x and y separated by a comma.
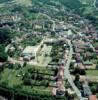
<point>67,72</point>
<point>54,25</point>
<point>68,75</point>
<point>94,4</point>
<point>7,4</point>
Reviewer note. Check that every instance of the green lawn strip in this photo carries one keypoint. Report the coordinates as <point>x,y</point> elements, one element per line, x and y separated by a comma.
<point>94,61</point>
<point>48,51</point>
<point>41,69</point>
<point>45,59</point>
<point>5,75</point>
<point>95,44</point>
<point>92,72</point>
<point>5,1</point>
<point>31,41</point>
<point>9,77</point>
<point>14,80</point>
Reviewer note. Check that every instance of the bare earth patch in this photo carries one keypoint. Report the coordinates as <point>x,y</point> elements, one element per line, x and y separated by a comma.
<point>24,2</point>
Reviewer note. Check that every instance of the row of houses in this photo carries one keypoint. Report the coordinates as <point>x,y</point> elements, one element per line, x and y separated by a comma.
<point>82,55</point>
<point>59,89</point>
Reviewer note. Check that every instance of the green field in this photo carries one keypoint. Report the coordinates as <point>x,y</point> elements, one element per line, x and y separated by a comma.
<point>15,78</point>
<point>44,57</point>
<point>92,72</point>
<point>3,1</point>
<point>24,2</point>
<point>95,44</point>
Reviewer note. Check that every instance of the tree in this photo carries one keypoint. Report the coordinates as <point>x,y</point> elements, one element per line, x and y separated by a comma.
<point>76,70</point>
<point>11,65</point>
<point>82,72</point>
<point>47,84</point>
<point>56,71</point>
<point>76,81</point>
<point>27,81</point>
<point>93,89</point>
<point>24,64</point>
<point>97,87</point>
<point>97,65</point>
<point>3,55</point>
<point>72,65</point>
<point>77,77</point>
<point>4,36</point>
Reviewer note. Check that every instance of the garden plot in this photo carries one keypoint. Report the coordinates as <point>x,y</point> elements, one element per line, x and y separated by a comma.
<point>44,55</point>
<point>24,2</point>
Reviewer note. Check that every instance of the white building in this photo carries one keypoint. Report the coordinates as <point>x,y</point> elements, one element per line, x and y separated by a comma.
<point>30,52</point>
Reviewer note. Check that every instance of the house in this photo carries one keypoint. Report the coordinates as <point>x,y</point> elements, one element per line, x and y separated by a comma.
<point>54,91</point>
<point>78,58</point>
<point>96,50</point>
<point>59,84</point>
<point>30,52</point>
<point>92,97</point>
<point>60,75</point>
<point>78,50</point>
<point>70,92</point>
<point>86,90</point>
<point>1,64</point>
<point>88,64</point>
<point>2,98</point>
<point>60,88</point>
<point>81,66</point>
<point>11,49</point>
<point>87,55</point>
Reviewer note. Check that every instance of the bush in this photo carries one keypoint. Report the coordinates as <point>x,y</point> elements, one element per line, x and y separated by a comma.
<point>3,55</point>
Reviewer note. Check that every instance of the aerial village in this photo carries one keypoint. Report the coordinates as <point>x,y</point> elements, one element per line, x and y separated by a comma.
<point>56,57</point>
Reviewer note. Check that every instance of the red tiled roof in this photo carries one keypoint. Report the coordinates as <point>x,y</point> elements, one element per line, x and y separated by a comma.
<point>54,91</point>
<point>92,97</point>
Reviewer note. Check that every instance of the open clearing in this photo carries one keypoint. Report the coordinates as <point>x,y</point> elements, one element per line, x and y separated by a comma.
<point>92,72</point>
<point>24,2</point>
<point>44,57</point>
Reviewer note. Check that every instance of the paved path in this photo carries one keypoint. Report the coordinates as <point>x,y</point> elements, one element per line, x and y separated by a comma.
<point>95,4</point>
<point>68,75</point>
<point>54,25</point>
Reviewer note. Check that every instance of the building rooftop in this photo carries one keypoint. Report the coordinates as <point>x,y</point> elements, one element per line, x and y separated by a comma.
<point>87,91</point>
<point>30,49</point>
<point>87,63</point>
<point>92,97</point>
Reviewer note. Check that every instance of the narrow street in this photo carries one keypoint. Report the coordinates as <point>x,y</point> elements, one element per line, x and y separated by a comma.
<point>67,72</point>
<point>53,27</point>
<point>94,4</point>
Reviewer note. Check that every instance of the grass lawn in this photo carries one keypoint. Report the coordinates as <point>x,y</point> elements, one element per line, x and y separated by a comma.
<point>40,90</point>
<point>92,72</point>
<point>4,1</point>
<point>10,78</point>
<point>44,60</point>
<point>95,44</point>
<point>24,2</point>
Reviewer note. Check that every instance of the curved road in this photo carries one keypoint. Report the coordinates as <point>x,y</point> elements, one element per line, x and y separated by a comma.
<point>53,27</point>
<point>94,4</point>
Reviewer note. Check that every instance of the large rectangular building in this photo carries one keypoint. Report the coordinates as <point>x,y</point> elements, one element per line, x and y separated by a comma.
<point>30,52</point>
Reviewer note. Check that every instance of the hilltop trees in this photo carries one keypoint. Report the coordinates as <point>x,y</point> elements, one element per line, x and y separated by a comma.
<point>3,55</point>
<point>4,36</point>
